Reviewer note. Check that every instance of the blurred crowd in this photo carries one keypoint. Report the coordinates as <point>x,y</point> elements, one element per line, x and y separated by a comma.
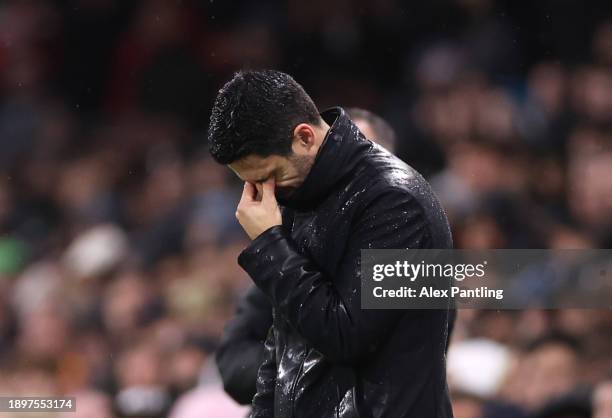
<point>118,241</point>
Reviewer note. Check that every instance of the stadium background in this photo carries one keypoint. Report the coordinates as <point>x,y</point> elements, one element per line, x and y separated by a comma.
<point>118,239</point>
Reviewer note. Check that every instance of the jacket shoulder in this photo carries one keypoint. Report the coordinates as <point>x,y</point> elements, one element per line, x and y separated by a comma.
<point>384,175</point>
<point>381,172</point>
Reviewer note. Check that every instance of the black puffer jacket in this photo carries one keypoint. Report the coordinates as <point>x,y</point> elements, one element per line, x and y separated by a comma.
<point>325,356</point>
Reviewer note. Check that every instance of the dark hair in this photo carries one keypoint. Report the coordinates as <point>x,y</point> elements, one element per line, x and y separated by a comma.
<point>382,130</point>
<point>255,113</point>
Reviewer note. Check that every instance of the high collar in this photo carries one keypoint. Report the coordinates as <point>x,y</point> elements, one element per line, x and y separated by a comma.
<point>341,150</point>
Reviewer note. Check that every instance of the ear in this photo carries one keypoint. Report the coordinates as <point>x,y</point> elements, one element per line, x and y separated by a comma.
<point>303,137</point>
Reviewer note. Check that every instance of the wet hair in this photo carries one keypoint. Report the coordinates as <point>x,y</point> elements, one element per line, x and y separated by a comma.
<point>255,113</point>
<point>384,133</point>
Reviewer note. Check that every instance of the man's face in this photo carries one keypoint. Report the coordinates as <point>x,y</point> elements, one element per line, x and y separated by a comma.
<point>289,172</point>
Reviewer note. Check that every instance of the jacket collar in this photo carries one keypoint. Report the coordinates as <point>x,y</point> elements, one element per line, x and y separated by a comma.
<point>341,150</point>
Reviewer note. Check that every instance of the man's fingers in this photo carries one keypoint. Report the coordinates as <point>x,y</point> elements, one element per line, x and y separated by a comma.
<point>248,193</point>
<point>268,191</point>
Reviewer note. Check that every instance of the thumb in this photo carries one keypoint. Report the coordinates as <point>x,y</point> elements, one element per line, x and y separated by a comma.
<point>268,191</point>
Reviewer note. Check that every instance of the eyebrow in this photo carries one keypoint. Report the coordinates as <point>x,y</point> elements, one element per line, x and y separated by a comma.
<point>259,180</point>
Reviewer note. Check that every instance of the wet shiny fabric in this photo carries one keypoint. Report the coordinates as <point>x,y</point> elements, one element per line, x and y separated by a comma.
<point>325,356</point>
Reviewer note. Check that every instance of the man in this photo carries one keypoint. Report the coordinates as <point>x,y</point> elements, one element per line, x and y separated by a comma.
<point>373,127</point>
<point>241,350</point>
<point>324,355</point>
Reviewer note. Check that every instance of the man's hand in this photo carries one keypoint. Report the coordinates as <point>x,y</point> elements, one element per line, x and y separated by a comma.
<point>255,215</point>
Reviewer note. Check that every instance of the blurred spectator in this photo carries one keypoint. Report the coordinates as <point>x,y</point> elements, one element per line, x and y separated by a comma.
<point>547,369</point>
<point>91,404</point>
<point>602,399</point>
<point>374,127</point>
